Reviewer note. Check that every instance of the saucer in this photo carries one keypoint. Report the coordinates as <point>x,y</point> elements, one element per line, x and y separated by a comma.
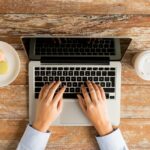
<point>13,61</point>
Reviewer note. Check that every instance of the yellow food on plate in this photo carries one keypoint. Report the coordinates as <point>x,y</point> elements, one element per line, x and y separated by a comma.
<point>3,67</point>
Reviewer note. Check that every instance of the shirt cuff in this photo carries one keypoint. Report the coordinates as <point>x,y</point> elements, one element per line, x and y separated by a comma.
<point>33,139</point>
<point>112,141</point>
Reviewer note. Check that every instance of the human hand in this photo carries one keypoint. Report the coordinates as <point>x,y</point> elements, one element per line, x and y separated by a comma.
<point>95,107</point>
<point>49,106</point>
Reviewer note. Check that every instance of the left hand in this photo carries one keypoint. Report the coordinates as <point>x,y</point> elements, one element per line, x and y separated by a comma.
<point>48,106</point>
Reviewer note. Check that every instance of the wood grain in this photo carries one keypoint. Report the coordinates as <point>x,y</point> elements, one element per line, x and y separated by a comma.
<point>76,6</point>
<point>135,102</point>
<point>122,18</point>
<point>79,138</point>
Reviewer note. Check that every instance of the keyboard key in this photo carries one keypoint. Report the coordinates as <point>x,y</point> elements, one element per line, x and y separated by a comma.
<point>60,68</point>
<point>75,84</point>
<point>98,73</point>
<point>101,78</point>
<point>48,73</point>
<point>106,78</point>
<point>111,97</point>
<point>67,78</point>
<point>54,68</point>
<point>103,84</point>
<point>69,95</point>
<point>109,90</point>
<point>84,78</point>
<point>77,90</point>
<point>56,78</point>
<point>38,78</point>
<point>42,68</point>
<point>66,68</point>
<point>95,68</point>
<point>53,73</point>
<point>76,73</point>
<point>111,73</point>
<point>37,73</point>
<point>69,84</point>
<point>104,73</point>
<point>65,73</point>
<point>87,73</point>
<point>37,90</point>
<point>51,79</point>
<point>78,78</point>
<point>100,68</point>
<point>95,78</point>
<point>71,90</point>
<point>42,73</point>
<point>92,73</point>
<point>39,84</point>
<point>108,84</point>
<point>89,78</point>
<point>62,78</point>
<point>112,79</point>
<point>70,73</point>
<point>71,68</point>
<point>45,78</point>
<point>107,95</point>
<point>36,95</point>
<point>37,68</point>
<point>77,68</point>
<point>73,78</point>
<point>81,73</point>
<point>59,73</point>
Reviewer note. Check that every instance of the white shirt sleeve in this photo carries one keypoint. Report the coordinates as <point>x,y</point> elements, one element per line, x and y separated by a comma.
<point>112,141</point>
<point>33,139</point>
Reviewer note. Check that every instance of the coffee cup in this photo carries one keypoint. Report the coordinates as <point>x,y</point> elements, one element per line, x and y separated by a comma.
<point>141,64</point>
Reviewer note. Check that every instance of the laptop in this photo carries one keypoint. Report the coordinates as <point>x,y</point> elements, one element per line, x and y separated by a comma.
<point>73,61</point>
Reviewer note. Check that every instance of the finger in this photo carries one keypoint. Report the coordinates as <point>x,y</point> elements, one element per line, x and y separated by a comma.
<point>52,91</point>
<point>78,95</point>
<point>98,93</point>
<point>81,103</point>
<point>85,95</point>
<point>47,89</point>
<point>102,92</point>
<point>41,92</point>
<point>92,91</point>
<point>59,95</point>
<point>60,105</point>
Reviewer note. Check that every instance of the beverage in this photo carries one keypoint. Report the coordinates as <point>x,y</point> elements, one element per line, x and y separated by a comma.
<point>141,64</point>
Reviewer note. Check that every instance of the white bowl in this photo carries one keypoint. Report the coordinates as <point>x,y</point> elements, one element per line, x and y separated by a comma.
<point>13,63</point>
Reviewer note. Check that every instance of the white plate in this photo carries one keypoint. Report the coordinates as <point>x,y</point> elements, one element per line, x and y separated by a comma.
<point>13,63</point>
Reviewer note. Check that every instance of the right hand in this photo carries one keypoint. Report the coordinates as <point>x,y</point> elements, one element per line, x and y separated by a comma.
<point>95,108</point>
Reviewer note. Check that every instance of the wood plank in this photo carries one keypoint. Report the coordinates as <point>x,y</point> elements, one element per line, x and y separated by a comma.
<point>76,7</point>
<point>12,130</point>
<point>135,26</point>
<point>134,102</point>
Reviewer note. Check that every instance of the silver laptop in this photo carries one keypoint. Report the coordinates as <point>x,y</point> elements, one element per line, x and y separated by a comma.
<point>74,60</point>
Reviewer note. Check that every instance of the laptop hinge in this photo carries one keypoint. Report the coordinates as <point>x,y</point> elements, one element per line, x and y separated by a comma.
<point>78,60</point>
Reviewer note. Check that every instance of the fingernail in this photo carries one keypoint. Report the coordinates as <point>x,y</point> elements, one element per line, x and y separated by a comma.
<point>78,95</point>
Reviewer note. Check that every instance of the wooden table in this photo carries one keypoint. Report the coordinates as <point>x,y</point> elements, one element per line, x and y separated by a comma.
<point>122,18</point>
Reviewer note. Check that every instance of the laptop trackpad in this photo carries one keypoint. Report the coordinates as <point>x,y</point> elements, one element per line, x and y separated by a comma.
<point>72,114</point>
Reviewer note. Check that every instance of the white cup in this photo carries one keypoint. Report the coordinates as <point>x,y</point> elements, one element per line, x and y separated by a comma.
<point>141,63</point>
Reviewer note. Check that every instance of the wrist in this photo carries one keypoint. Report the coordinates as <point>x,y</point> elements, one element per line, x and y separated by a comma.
<point>104,129</point>
<point>40,126</point>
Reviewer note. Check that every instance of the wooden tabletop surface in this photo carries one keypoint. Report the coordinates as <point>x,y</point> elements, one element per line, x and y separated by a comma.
<point>122,18</point>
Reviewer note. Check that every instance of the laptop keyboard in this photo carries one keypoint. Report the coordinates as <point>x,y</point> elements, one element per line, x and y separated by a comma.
<point>74,77</point>
<point>75,47</point>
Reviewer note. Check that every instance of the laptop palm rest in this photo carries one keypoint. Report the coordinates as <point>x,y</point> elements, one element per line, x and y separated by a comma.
<point>72,114</point>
